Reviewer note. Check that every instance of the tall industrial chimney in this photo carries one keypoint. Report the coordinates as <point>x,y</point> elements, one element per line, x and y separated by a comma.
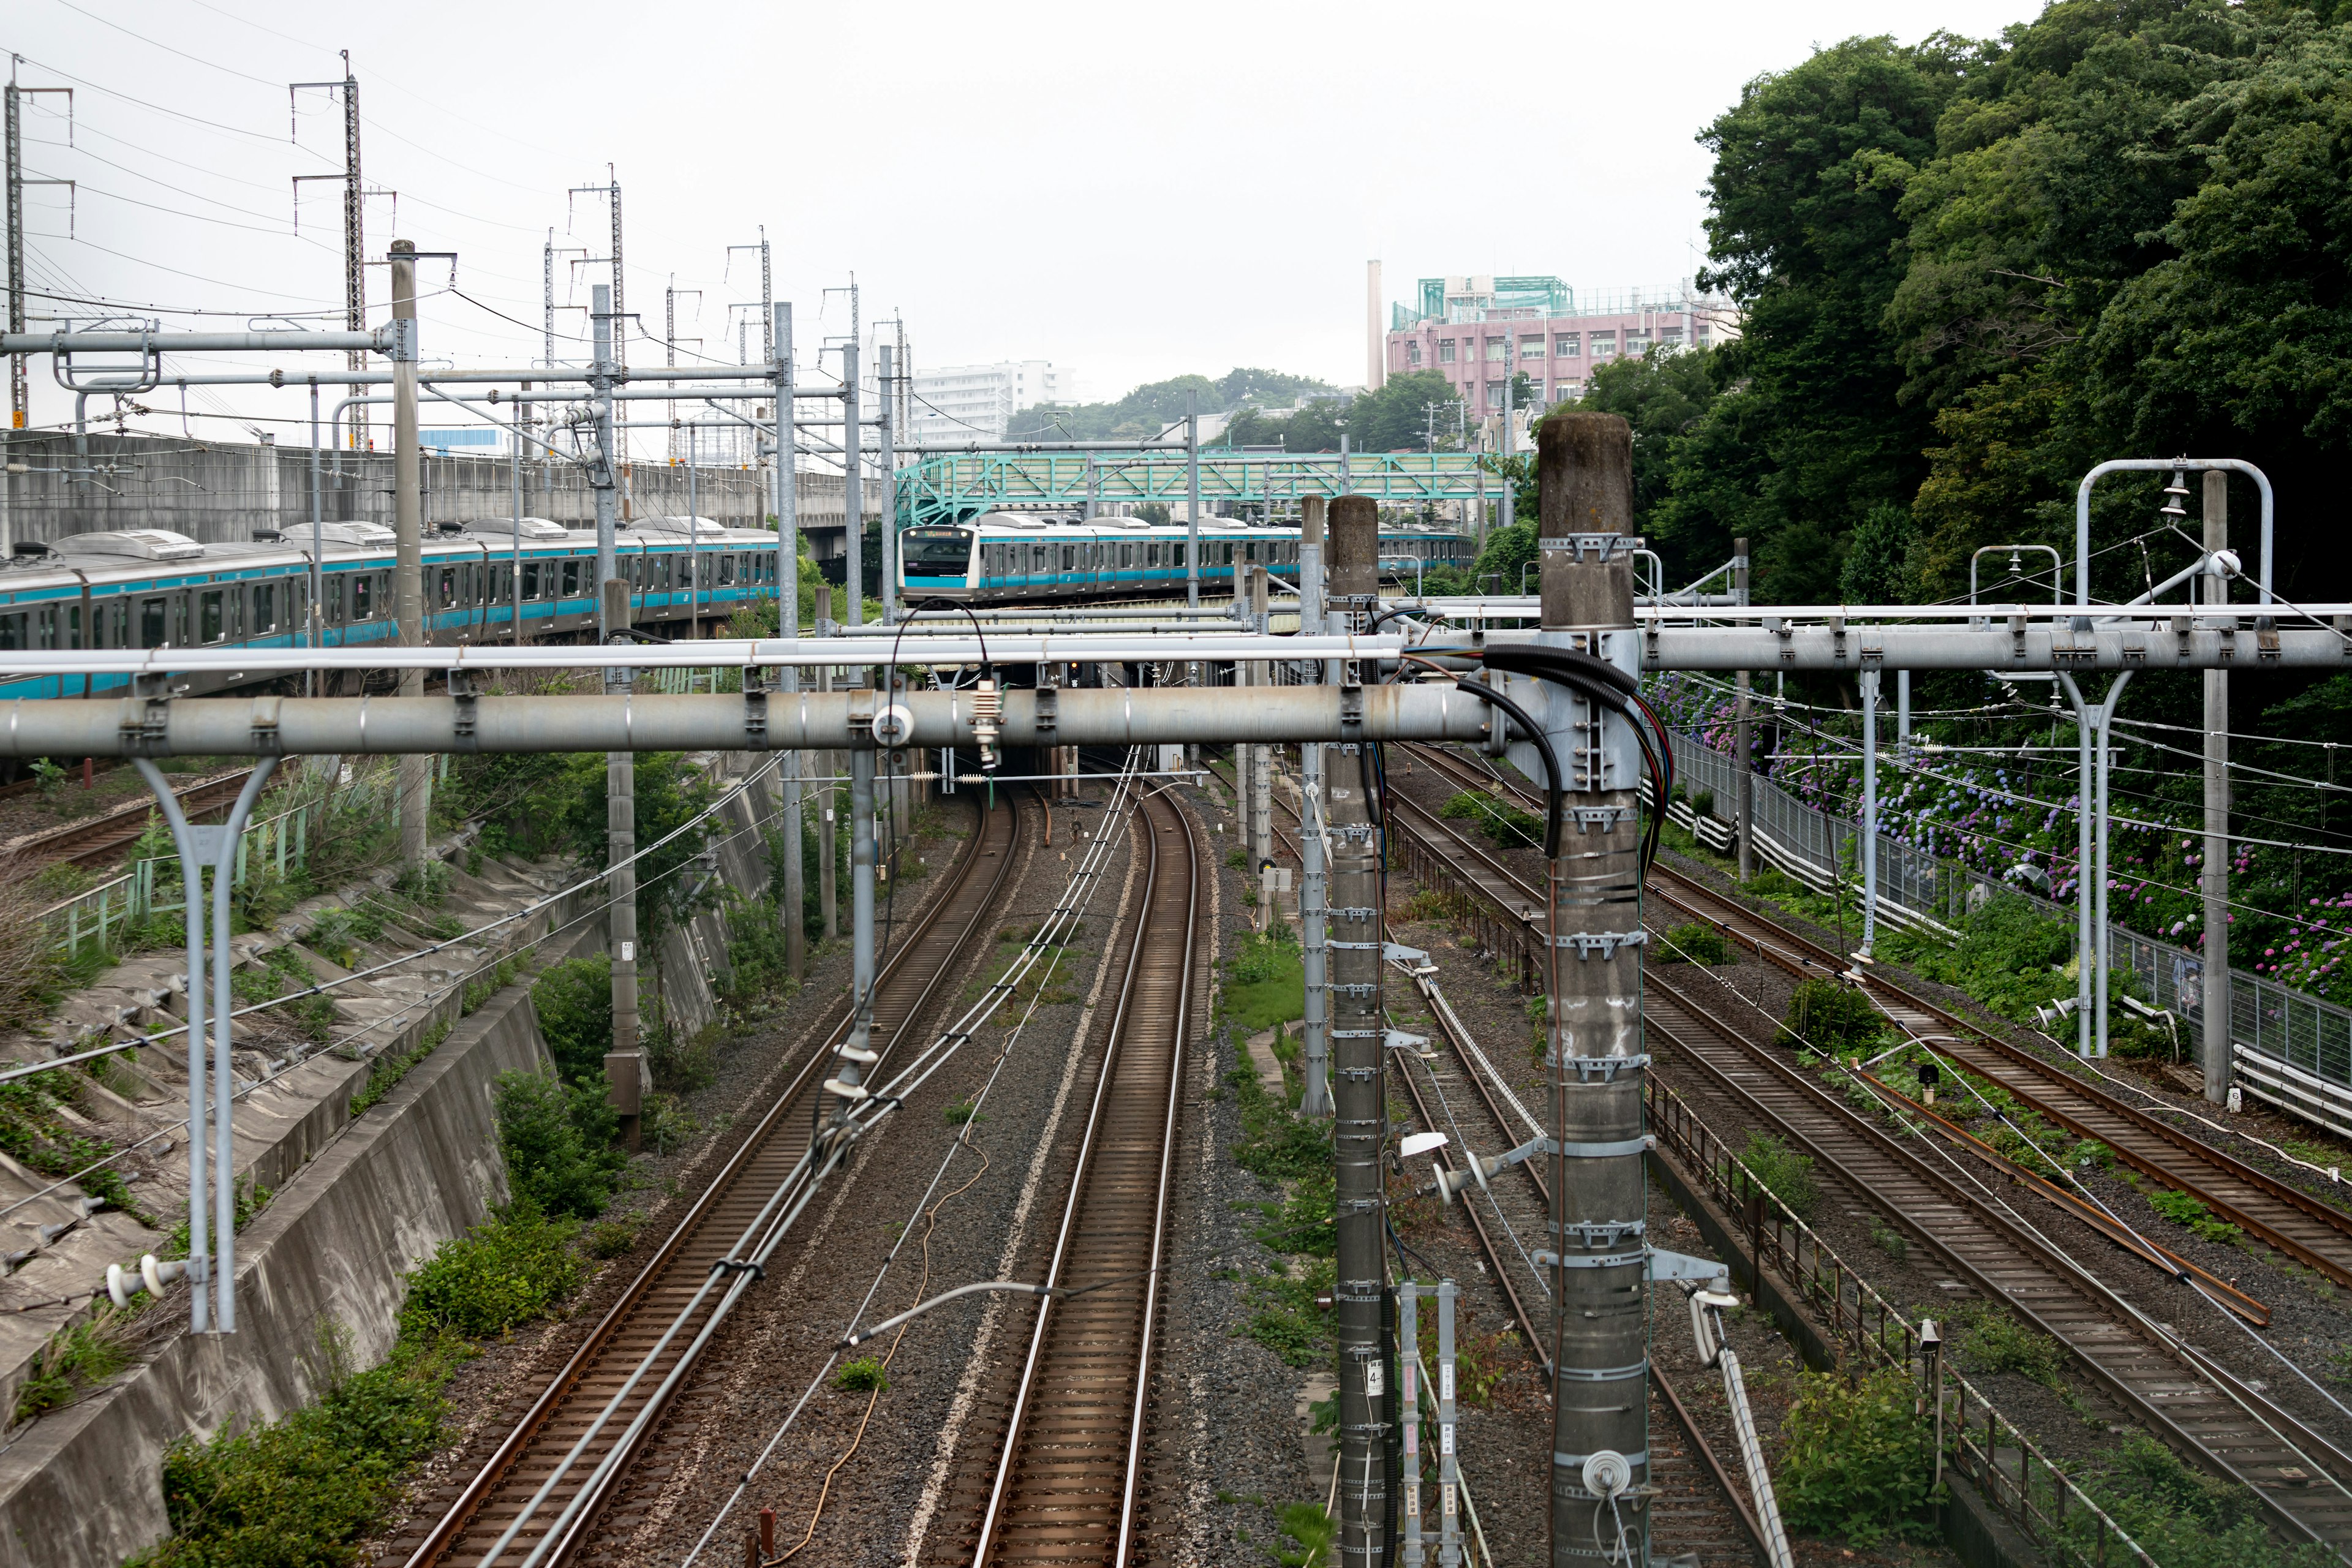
<point>1376,349</point>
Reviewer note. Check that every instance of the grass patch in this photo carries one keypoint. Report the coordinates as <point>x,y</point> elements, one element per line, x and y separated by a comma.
<point>2182,1209</point>
<point>1889,1240</point>
<point>1859,1461</point>
<point>282,970</point>
<point>74,1360</point>
<point>1991,1340</point>
<point>864,1376</point>
<point>1310,1531</point>
<point>34,1129</point>
<point>1505,826</point>
<point>385,1076</point>
<point>1266,982</point>
<point>1283,1317</point>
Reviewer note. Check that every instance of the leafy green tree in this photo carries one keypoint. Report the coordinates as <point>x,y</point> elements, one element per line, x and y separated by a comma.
<point>1663,394</point>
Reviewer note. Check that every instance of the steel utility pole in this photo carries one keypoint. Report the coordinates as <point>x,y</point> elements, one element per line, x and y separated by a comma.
<point>788,617</point>
<point>1743,760</point>
<point>1193,502</point>
<point>1594,1253</point>
<point>853,490</point>
<point>414,772</point>
<point>19,389</point>
<point>1360,1133</point>
<point>2215,1034</point>
<point>624,1070</point>
<point>1315,1044</point>
<point>887,464</point>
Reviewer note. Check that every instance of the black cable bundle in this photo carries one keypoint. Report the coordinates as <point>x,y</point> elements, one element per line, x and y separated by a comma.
<point>1602,682</point>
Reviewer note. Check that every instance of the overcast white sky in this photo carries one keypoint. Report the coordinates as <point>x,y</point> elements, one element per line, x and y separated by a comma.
<point>1134,193</point>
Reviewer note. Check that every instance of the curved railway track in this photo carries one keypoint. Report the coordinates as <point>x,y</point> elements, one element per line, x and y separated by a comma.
<point>1699,1509</point>
<point>2204,1409</point>
<point>100,840</point>
<point>649,1333</point>
<point>2314,1232</point>
<point>1065,1478</point>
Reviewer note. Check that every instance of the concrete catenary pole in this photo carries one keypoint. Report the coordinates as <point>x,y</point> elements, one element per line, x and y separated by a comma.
<point>853,491</point>
<point>1742,736</point>
<point>1360,1128</point>
<point>1585,493</point>
<point>1316,1048</point>
<point>2216,878</point>
<point>886,466</point>
<point>625,1062</point>
<point>413,774</point>
<point>828,896</point>
<point>1260,758</point>
<point>788,623</point>
<point>1869,681</point>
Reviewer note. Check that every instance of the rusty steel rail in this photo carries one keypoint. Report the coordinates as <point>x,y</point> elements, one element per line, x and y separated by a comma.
<point>2309,1229</point>
<point>2178,1393</point>
<point>633,1335</point>
<point>1068,1480</point>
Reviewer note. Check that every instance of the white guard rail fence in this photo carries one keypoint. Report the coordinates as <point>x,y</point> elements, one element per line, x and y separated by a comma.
<point>2292,1049</point>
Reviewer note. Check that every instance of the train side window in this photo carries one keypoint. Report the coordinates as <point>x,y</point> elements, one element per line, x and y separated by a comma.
<point>571,579</point>
<point>362,596</point>
<point>727,571</point>
<point>14,633</point>
<point>531,579</point>
<point>71,616</point>
<point>152,622</point>
<point>180,637</point>
<point>210,624</point>
<point>335,599</point>
<point>265,608</point>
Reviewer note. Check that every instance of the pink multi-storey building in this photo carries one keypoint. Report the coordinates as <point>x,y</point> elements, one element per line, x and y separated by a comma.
<point>1477,331</point>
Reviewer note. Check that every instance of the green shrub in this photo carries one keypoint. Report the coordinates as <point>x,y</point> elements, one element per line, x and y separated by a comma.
<point>337,935</point>
<point>573,1000</point>
<point>1694,941</point>
<point>2182,1518</point>
<point>505,1272</point>
<point>1703,803</point>
<point>302,1490</point>
<point>610,1238</point>
<point>1832,1017</point>
<point>1859,1460</point>
<point>559,1144</point>
<point>864,1376</point>
<point>1786,1174</point>
<point>1285,1319</point>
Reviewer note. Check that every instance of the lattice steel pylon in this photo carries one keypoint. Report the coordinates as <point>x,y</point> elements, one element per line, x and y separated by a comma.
<point>354,220</point>
<point>19,389</point>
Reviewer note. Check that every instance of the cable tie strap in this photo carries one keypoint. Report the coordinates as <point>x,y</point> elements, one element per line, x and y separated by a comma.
<point>738,1266</point>
<point>1603,1374</point>
<point>1601,1151</point>
<point>1576,1461</point>
<point>1590,1259</point>
<point>1604,943</point>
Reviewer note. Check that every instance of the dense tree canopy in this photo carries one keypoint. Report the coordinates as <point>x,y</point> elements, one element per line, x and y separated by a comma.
<point>1155,405</point>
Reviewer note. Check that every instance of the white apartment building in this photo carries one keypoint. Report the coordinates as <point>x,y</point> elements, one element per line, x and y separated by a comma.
<point>977,402</point>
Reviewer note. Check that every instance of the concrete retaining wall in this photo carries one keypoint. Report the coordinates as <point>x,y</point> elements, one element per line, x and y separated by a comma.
<point>219,492</point>
<point>84,1485</point>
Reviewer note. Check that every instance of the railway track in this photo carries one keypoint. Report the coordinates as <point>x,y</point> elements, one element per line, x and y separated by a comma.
<point>2302,1480</point>
<point>1698,1508</point>
<point>646,1342</point>
<point>2314,1232</point>
<point>100,840</point>
<point>1062,1473</point>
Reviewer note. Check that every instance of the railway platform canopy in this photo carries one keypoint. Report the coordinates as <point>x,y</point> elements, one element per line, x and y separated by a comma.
<point>952,487</point>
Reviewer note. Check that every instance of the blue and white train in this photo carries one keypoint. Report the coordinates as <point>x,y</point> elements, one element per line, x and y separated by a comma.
<point>1012,557</point>
<point>149,588</point>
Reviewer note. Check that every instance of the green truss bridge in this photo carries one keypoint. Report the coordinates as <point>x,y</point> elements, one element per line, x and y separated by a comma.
<point>957,488</point>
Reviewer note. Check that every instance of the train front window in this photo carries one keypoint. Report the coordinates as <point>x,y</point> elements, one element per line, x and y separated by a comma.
<point>936,551</point>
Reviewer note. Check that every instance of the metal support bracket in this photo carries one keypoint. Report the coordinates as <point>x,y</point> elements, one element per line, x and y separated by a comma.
<point>1666,1265</point>
<point>1604,547</point>
<point>468,701</point>
<point>1351,713</point>
<point>266,739</point>
<point>1605,1069</point>
<point>755,710</point>
<point>1604,817</point>
<point>1398,1040</point>
<point>1049,709</point>
<point>1412,958</point>
<point>1604,943</point>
